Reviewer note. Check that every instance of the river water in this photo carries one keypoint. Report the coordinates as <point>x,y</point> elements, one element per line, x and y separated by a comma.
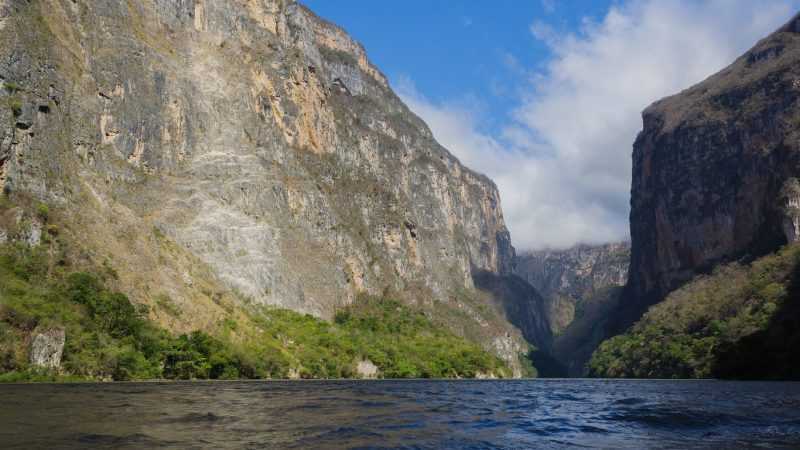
<point>402,414</point>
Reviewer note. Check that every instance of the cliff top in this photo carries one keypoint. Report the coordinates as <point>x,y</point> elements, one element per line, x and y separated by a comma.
<point>719,96</point>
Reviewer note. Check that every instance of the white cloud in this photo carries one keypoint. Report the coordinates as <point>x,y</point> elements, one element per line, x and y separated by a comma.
<point>549,5</point>
<point>562,162</point>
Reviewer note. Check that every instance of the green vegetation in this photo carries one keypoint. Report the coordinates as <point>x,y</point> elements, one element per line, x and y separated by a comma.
<point>400,341</point>
<point>166,304</point>
<point>11,87</point>
<point>737,322</point>
<point>107,336</point>
<point>12,99</point>
<point>15,104</point>
<point>405,343</point>
<point>110,338</point>
<point>43,211</point>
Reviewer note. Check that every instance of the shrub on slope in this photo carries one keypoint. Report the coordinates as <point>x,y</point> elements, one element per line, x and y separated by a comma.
<point>738,322</point>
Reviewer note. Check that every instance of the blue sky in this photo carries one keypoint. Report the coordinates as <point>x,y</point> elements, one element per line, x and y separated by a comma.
<point>545,96</point>
<point>458,50</point>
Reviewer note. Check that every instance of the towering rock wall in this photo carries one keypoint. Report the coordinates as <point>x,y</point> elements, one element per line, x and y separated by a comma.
<point>566,277</point>
<point>246,145</point>
<point>714,170</point>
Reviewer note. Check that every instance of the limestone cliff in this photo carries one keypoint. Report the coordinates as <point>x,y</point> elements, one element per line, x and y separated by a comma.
<point>566,277</point>
<point>714,171</point>
<point>244,149</point>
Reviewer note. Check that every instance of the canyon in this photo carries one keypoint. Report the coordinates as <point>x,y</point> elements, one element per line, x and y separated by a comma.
<point>215,158</point>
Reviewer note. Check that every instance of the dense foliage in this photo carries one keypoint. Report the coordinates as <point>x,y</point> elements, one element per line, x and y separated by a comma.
<point>108,337</point>
<point>405,343</point>
<point>732,323</point>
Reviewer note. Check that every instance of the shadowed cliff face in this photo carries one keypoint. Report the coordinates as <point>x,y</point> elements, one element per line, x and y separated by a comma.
<point>564,278</point>
<point>521,303</point>
<point>714,171</point>
<point>580,287</point>
<point>248,146</point>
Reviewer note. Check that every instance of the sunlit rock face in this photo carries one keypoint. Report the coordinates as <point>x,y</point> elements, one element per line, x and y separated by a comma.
<point>714,170</point>
<point>247,145</point>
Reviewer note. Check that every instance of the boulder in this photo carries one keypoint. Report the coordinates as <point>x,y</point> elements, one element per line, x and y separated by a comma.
<point>366,369</point>
<point>47,348</point>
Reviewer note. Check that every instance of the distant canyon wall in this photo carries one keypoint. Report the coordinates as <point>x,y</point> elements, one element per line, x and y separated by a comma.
<point>566,277</point>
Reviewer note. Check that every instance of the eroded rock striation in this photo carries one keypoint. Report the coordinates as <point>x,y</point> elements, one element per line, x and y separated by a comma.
<point>246,146</point>
<point>714,171</point>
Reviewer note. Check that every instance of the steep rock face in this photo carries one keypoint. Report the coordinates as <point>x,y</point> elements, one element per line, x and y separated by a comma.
<point>565,277</point>
<point>714,171</point>
<point>246,145</point>
<point>521,303</point>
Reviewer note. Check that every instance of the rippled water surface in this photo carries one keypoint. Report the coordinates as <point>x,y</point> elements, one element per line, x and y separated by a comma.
<point>404,414</point>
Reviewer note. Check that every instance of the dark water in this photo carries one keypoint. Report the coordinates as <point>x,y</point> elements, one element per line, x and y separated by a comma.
<point>406,414</point>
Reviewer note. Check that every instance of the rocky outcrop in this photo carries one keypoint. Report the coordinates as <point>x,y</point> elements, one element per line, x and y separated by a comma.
<point>47,348</point>
<point>566,277</point>
<point>367,369</point>
<point>199,146</point>
<point>714,171</point>
<point>790,199</point>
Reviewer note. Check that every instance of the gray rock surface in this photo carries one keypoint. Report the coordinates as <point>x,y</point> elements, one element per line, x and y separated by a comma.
<point>367,369</point>
<point>47,347</point>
